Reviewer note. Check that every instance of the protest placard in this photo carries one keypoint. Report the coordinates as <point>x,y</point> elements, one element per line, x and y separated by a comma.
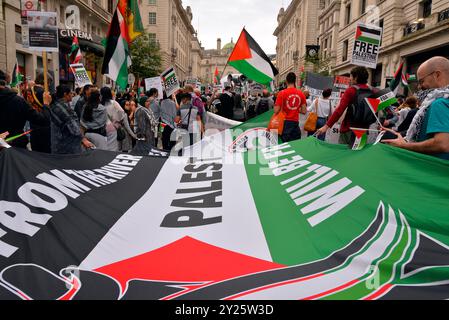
<point>171,82</point>
<point>156,83</point>
<point>42,31</point>
<point>366,46</point>
<point>80,74</point>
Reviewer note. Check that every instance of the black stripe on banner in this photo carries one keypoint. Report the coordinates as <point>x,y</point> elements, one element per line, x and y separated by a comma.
<point>372,31</point>
<point>74,231</point>
<point>256,48</point>
<point>235,286</point>
<point>112,40</point>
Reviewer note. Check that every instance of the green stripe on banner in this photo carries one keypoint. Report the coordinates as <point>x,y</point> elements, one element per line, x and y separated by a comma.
<point>251,72</point>
<point>369,40</point>
<point>288,231</point>
<point>384,269</point>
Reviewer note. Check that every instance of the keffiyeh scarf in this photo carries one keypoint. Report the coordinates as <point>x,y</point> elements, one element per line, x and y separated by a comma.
<point>428,97</point>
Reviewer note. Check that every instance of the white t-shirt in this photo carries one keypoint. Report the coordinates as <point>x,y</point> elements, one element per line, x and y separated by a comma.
<point>324,107</point>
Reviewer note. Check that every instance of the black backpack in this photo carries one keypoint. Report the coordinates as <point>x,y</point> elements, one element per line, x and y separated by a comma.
<point>263,106</point>
<point>359,113</point>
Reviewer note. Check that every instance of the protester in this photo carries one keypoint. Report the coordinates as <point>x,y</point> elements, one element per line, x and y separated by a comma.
<point>411,103</point>
<point>66,136</point>
<point>251,105</point>
<point>226,108</point>
<point>168,115</point>
<point>146,127</point>
<point>93,121</point>
<point>308,98</point>
<point>429,131</point>
<point>196,102</point>
<point>40,136</point>
<point>79,106</point>
<point>188,120</point>
<point>265,103</point>
<point>291,102</point>
<point>76,98</point>
<point>126,144</point>
<point>117,125</point>
<point>323,108</point>
<point>15,112</point>
<point>353,100</point>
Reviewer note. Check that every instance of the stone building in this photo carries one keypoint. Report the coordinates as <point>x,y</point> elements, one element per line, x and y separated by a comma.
<point>170,24</point>
<point>94,18</point>
<point>297,28</point>
<point>413,31</point>
<point>216,59</point>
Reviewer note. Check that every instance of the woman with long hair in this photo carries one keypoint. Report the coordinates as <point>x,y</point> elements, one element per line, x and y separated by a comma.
<point>117,127</point>
<point>93,121</point>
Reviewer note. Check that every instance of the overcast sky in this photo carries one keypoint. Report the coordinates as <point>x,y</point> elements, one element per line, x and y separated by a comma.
<point>225,19</point>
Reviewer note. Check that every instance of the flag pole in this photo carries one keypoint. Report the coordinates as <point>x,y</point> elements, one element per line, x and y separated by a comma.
<point>44,58</point>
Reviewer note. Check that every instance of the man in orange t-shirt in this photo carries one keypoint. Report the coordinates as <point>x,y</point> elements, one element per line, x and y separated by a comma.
<point>291,101</point>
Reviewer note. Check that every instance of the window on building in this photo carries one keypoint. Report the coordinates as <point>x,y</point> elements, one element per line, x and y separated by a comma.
<point>152,2</point>
<point>153,38</point>
<point>345,50</point>
<point>152,18</point>
<point>111,6</point>
<point>61,14</point>
<point>18,30</point>
<point>348,14</point>
<point>425,8</point>
<point>362,6</point>
<point>381,25</point>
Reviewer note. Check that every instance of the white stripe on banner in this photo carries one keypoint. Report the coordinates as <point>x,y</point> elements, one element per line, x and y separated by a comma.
<point>261,64</point>
<point>356,269</point>
<point>139,231</point>
<point>217,122</point>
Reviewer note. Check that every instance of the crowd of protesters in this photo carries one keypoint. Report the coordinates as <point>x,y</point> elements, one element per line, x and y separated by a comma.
<point>70,122</point>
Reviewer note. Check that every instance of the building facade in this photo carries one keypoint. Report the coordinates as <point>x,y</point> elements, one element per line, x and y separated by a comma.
<point>214,59</point>
<point>170,24</point>
<point>94,18</point>
<point>297,28</point>
<point>413,31</point>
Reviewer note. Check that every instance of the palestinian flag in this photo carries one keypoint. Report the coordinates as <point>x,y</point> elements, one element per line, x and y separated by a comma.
<point>75,55</point>
<point>399,79</point>
<point>366,34</point>
<point>216,76</point>
<point>251,60</point>
<point>133,21</point>
<point>381,100</point>
<point>358,240</point>
<point>361,139</point>
<point>16,77</point>
<point>116,59</point>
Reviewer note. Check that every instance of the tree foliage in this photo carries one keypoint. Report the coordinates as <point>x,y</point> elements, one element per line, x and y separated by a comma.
<point>146,57</point>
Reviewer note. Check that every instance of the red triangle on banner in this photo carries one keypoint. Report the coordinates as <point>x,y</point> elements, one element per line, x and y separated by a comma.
<point>242,51</point>
<point>186,260</point>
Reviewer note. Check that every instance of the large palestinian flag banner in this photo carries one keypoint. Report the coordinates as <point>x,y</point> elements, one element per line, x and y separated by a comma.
<point>300,220</point>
